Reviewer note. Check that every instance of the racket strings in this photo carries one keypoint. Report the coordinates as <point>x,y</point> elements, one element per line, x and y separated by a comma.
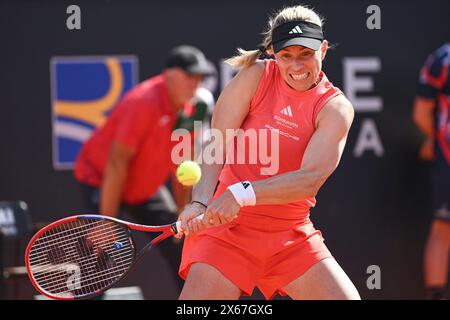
<point>48,238</point>
<point>58,247</point>
<point>81,257</point>
<point>90,263</point>
<point>95,233</point>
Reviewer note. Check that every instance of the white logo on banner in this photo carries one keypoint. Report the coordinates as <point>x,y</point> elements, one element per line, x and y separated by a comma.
<point>355,85</point>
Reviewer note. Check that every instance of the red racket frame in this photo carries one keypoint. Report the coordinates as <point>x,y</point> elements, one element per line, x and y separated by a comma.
<point>166,232</point>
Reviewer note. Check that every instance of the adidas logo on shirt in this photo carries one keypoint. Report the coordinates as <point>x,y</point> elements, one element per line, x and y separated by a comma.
<point>287,111</point>
<point>296,30</point>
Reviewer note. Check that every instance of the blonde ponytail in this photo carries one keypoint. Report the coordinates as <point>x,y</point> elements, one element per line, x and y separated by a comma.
<point>245,58</point>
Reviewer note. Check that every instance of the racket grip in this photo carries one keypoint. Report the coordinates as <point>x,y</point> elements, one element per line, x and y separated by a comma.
<point>178,223</point>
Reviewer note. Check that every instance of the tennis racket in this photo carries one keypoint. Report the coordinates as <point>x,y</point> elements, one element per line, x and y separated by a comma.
<point>81,256</point>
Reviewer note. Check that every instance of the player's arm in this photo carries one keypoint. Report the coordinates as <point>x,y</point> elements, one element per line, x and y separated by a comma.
<point>204,105</point>
<point>114,178</point>
<point>321,157</point>
<point>182,194</point>
<point>230,111</point>
<point>203,101</point>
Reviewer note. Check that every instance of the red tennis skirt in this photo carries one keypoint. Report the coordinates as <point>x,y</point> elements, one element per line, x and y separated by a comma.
<point>257,251</point>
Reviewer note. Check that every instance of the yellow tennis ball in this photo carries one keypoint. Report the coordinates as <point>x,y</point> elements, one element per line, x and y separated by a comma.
<point>188,173</point>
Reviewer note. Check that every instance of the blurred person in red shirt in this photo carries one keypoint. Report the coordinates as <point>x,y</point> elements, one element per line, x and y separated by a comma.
<point>125,164</point>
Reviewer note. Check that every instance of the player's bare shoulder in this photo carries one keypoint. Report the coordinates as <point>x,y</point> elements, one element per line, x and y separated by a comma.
<point>338,109</point>
<point>256,69</point>
<point>244,86</point>
<point>248,78</point>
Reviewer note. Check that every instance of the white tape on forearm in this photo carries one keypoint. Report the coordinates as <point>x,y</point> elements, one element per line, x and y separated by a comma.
<point>243,193</point>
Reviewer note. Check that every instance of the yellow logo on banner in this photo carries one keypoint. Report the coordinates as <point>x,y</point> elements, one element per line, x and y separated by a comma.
<point>93,112</point>
<point>85,90</point>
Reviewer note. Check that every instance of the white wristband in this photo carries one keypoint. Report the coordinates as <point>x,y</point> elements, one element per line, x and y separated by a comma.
<point>243,193</point>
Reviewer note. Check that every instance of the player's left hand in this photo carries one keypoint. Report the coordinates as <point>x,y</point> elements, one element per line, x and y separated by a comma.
<point>222,210</point>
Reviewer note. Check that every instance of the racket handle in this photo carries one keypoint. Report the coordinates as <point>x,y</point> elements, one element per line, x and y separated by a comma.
<point>178,223</point>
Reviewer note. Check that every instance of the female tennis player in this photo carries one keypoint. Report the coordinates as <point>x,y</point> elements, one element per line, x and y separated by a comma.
<point>256,231</point>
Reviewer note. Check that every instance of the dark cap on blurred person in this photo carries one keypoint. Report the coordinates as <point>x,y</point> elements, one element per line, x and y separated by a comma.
<point>190,59</point>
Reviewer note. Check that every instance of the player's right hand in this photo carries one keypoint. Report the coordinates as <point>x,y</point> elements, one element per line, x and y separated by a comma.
<point>188,223</point>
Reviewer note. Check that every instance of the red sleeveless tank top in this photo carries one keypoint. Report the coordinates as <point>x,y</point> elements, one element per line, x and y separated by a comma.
<point>276,105</point>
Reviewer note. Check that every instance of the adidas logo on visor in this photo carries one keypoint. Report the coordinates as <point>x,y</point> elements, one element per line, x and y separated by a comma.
<point>296,30</point>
